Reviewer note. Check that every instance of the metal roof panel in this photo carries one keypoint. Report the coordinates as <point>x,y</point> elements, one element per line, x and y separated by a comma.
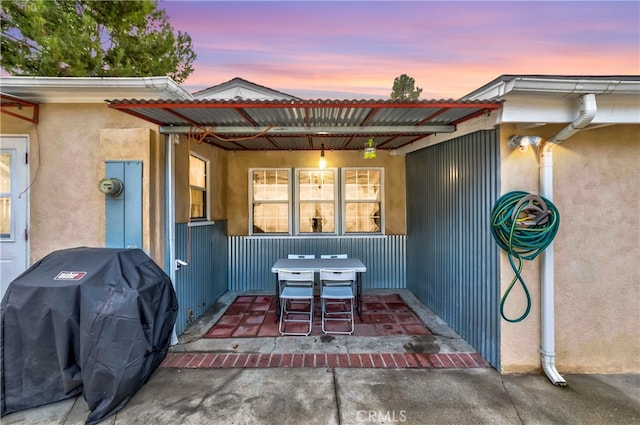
<point>305,124</point>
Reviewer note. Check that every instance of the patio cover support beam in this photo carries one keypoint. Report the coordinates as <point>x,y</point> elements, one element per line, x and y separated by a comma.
<point>319,131</point>
<point>7,101</point>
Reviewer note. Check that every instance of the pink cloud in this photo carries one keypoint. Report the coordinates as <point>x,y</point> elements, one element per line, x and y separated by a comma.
<point>356,49</point>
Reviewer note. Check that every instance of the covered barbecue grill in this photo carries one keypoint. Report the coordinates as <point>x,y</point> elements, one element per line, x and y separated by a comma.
<point>96,321</point>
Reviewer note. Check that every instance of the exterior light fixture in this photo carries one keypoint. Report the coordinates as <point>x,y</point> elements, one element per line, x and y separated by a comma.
<point>523,142</point>
<point>323,162</point>
<point>369,149</point>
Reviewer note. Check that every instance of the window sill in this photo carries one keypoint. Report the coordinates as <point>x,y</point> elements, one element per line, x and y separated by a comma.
<point>200,223</point>
<point>311,236</point>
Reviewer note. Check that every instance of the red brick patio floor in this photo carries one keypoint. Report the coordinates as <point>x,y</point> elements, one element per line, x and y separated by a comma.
<point>254,316</point>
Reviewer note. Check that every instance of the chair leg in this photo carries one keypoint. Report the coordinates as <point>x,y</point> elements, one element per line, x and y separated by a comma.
<point>284,313</point>
<point>326,317</point>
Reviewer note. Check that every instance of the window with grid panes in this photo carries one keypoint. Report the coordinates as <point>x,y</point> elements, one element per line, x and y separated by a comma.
<point>362,200</point>
<point>316,201</point>
<point>313,201</point>
<point>270,201</point>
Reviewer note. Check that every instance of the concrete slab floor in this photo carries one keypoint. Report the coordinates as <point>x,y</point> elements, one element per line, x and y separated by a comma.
<point>360,396</point>
<point>346,395</point>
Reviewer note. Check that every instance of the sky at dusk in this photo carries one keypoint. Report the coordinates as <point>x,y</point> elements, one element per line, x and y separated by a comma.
<point>355,49</point>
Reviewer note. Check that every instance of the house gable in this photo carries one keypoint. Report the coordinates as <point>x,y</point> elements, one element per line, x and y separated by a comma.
<point>239,88</point>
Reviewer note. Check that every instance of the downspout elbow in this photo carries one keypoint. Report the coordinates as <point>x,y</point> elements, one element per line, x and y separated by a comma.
<point>550,370</point>
<point>588,110</point>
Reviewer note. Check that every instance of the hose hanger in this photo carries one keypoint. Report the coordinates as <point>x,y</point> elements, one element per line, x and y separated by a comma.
<point>523,225</point>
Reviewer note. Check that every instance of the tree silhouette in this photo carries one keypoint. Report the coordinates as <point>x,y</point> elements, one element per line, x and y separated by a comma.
<point>404,88</point>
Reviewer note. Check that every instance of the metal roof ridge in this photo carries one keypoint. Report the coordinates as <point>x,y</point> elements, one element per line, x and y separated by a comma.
<point>308,101</point>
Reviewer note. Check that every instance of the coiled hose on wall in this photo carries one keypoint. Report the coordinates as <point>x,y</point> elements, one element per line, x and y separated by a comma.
<point>523,224</point>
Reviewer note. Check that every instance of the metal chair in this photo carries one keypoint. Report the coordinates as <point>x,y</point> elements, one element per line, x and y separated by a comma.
<point>295,286</point>
<point>337,288</point>
<point>329,256</point>
<point>300,256</point>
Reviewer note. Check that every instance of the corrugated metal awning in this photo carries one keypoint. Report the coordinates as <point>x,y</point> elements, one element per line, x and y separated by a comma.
<point>305,124</point>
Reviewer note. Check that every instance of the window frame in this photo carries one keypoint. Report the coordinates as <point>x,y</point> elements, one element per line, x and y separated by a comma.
<point>293,202</point>
<point>11,236</point>
<point>289,201</point>
<point>207,182</point>
<point>344,200</point>
<point>336,202</point>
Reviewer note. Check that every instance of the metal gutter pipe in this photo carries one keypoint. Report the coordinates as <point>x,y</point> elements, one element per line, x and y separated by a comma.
<point>588,109</point>
<point>170,215</point>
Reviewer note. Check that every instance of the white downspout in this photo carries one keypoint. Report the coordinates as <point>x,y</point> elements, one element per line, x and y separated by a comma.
<point>170,199</point>
<point>588,111</point>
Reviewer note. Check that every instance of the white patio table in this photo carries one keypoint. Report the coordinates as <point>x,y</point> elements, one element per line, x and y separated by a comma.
<point>317,264</point>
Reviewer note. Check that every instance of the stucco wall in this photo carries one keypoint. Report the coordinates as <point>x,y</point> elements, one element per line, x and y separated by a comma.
<point>239,163</point>
<point>67,152</point>
<point>597,251</point>
<point>217,178</point>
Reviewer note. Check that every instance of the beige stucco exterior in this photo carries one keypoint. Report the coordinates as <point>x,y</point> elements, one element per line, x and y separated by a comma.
<point>596,187</point>
<point>67,149</point>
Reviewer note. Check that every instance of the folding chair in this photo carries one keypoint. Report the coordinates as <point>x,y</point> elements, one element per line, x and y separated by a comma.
<point>329,256</point>
<point>337,288</point>
<point>295,286</point>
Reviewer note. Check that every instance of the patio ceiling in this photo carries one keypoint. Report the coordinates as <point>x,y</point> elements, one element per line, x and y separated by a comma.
<point>305,124</point>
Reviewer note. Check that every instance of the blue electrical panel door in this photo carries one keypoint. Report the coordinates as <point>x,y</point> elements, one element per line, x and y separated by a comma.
<point>124,211</point>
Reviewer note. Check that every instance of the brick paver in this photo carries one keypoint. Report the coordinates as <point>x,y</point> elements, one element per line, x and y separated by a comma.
<point>320,360</point>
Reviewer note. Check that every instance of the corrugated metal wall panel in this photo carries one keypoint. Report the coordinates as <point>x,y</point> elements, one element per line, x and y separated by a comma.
<point>204,280</point>
<point>452,261</point>
<point>250,259</point>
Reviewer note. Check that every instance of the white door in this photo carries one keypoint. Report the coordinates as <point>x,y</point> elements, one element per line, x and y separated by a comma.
<point>14,203</point>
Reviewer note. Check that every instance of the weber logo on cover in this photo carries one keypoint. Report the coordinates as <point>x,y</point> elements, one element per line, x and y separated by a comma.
<point>70,276</point>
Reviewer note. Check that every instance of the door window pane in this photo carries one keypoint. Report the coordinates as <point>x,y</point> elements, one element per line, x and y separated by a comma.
<point>5,195</point>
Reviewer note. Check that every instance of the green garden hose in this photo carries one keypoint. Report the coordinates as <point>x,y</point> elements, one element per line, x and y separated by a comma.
<point>523,225</point>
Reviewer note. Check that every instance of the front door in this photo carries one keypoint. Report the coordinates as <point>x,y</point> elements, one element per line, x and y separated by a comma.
<point>14,203</point>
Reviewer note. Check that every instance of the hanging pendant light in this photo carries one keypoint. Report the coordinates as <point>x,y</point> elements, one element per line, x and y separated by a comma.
<point>369,149</point>
<point>323,162</point>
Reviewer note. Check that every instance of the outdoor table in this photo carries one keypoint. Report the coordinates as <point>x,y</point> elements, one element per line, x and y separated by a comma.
<point>317,264</point>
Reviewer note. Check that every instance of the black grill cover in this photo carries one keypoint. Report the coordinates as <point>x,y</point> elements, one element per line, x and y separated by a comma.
<point>96,321</point>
